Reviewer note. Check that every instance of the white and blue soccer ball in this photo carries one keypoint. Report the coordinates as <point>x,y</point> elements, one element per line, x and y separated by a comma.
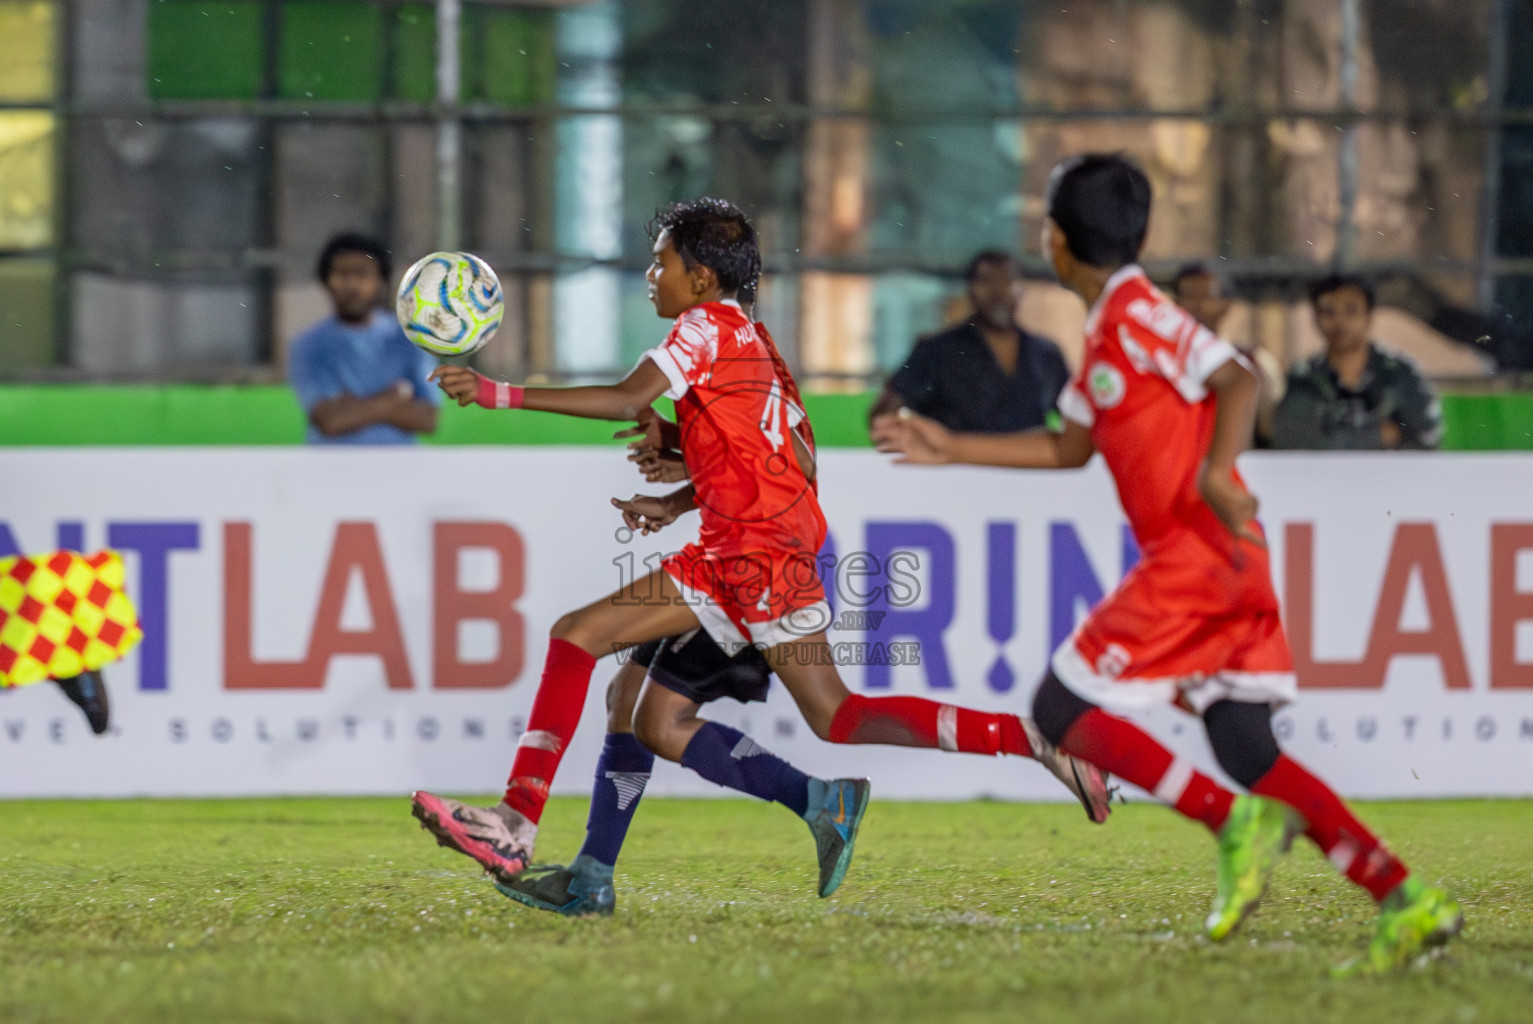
<point>450,303</point>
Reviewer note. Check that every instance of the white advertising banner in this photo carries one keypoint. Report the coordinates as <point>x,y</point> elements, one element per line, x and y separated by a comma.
<point>345,621</point>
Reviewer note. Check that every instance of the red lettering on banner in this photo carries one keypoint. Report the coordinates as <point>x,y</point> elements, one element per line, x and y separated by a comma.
<point>452,605</point>
<point>241,670</point>
<point>1415,550</point>
<point>355,549</point>
<point>1299,595</point>
<point>1508,606</point>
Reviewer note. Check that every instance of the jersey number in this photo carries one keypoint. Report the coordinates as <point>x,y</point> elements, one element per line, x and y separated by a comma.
<point>773,417</point>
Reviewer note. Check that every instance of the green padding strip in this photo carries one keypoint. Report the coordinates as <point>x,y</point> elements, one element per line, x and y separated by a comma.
<point>184,414</point>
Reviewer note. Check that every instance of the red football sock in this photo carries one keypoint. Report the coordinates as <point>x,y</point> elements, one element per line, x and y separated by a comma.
<point>1345,841</point>
<point>555,714</point>
<point>1132,754</point>
<point>918,722</point>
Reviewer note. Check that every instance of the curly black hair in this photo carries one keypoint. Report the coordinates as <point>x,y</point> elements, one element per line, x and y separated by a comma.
<point>715,234</point>
<point>351,241</point>
<point>1336,282</point>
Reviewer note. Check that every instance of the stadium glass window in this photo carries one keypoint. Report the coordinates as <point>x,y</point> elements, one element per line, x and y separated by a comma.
<point>205,51</point>
<point>26,313</point>
<point>26,65</point>
<point>27,76</point>
<point>508,56</point>
<point>26,136</point>
<point>412,36</point>
<point>26,180</point>
<point>331,51</point>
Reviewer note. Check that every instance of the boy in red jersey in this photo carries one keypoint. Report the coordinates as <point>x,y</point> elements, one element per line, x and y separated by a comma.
<point>751,577</point>
<point>1170,405</point>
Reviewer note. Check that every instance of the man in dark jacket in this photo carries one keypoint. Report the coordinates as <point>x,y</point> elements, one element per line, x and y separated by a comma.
<point>1354,394</point>
<point>986,374</point>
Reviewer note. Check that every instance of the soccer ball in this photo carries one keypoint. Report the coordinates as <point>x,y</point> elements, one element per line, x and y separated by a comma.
<point>450,303</point>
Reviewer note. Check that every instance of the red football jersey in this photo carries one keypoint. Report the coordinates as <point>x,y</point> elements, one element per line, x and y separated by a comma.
<point>737,425</point>
<point>1142,391</point>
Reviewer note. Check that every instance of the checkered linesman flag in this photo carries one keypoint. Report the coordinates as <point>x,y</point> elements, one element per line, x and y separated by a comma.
<point>61,614</point>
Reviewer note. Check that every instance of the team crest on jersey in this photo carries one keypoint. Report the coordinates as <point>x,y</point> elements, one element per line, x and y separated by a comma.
<point>1106,384</point>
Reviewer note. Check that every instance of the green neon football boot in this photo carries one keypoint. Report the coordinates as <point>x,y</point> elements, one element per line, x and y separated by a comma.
<point>1254,838</point>
<point>1413,918</point>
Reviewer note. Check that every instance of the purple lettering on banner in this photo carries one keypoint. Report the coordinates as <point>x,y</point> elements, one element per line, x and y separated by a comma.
<point>153,542</point>
<point>827,564</point>
<point>1072,579</point>
<point>894,545</point>
<point>1001,546</point>
<point>71,536</point>
<point>1130,549</point>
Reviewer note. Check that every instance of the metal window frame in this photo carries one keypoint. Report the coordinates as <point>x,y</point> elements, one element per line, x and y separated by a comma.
<point>450,116</point>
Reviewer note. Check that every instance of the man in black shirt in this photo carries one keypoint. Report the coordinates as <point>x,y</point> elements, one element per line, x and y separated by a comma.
<point>985,375</point>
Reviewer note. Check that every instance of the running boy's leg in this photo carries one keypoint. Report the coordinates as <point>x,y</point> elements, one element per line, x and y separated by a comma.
<point>1127,751</point>
<point>1253,834</point>
<point>1241,736</point>
<point>622,771</point>
<point>1413,915</point>
<point>501,838</point>
<point>837,715</point>
<point>667,722</point>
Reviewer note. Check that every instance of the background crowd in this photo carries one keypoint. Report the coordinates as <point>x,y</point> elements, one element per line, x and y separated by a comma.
<point>359,381</point>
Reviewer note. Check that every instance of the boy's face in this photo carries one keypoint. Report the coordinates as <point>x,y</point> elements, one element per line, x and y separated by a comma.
<point>674,288</point>
<point>1344,319</point>
<point>355,284</point>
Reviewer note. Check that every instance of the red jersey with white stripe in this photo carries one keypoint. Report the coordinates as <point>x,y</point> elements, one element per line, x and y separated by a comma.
<point>1196,621</point>
<point>737,428</point>
<point>1142,391</point>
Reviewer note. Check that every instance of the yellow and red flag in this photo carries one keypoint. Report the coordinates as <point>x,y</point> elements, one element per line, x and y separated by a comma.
<point>61,614</point>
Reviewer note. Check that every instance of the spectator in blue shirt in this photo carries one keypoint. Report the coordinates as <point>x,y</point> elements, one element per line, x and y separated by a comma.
<point>358,378</point>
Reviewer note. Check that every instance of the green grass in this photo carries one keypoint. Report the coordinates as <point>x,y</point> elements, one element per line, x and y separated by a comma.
<point>342,910</point>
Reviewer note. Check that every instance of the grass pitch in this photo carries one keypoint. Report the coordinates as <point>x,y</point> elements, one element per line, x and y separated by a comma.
<point>343,910</point>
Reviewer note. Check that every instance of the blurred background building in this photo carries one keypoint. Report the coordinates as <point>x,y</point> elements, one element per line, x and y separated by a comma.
<point>170,168</point>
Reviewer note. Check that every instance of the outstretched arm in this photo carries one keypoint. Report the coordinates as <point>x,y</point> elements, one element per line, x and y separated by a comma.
<point>624,400</point>
<point>920,440</point>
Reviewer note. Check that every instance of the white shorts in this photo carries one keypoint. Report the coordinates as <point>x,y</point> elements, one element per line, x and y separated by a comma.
<point>1194,693</point>
<point>795,625</point>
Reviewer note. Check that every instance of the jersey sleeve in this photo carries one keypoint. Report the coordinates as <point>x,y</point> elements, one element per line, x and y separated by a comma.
<point>687,354</point>
<point>1074,406</point>
<point>1176,347</point>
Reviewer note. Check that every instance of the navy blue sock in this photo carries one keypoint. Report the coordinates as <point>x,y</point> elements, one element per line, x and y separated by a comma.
<point>731,758</point>
<point>621,773</point>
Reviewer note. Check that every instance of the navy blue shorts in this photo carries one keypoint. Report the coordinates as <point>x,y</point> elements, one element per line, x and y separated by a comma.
<point>695,666</point>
